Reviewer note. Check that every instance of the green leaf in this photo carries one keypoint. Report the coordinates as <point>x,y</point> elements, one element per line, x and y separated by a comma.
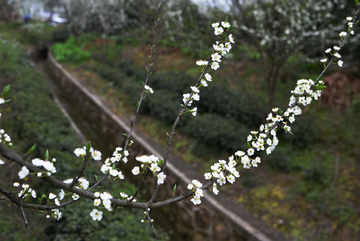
<point>226,19</point>
<point>96,178</point>
<point>320,87</point>
<point>88,147</point>
<point>6,91</point>
<point>42,197</point>
<point>174,189</point>
<point>32,149</point>
<point>47,155</point>
<point>160,162</point>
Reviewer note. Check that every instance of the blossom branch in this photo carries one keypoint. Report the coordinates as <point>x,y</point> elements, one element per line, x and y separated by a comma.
<point>148,73</point>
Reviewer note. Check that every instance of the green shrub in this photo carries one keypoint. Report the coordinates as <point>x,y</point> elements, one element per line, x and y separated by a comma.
<point>279,161</point>
<point>164,105</point>
<point>304,130</point>
<point>218,132</point>
<point>229,104</point>
<point>175,82</point>
<point>110,74</point>
<point>70,51</point>
<point>130,69</point>
<point>60,34</point>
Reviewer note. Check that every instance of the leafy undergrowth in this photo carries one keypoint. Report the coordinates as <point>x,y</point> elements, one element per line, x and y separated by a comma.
<point>299,189</point>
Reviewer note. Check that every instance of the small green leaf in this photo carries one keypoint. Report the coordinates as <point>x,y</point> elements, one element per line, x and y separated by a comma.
<point>96,178</point>
<point>174,189</point>
<point>6,91</point>
<point>88,147</point>
<point>32,149</point>
<point>42,197</point>
<point>47,155</point>
<point>160,162</point>
<point>320,87</point>
<point>226,19</point>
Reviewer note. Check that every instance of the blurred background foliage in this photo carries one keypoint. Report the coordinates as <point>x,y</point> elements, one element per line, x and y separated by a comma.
<point>109,51</point>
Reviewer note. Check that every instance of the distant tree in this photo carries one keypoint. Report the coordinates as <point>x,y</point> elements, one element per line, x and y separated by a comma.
<point>276,29</point>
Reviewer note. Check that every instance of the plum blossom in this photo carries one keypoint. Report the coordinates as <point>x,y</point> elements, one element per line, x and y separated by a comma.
<point>96,215</point>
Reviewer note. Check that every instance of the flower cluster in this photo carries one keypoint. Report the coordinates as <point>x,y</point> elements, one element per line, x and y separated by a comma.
<point>153,163</point>
<point>83,183</point>
<point>57,198</point>
<point>55,213</point>
<point>109,165</point>
<point>350,25</point>
<point>81,152</point>
<point>148,88</point>
<point>195,187</point>
<point>342,35</point>
<point>4,138</point>
<point>25,191</point>
<point>48,166</point>
<point>221,48</point>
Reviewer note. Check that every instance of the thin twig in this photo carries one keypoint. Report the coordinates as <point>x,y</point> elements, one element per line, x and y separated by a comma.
<point>151,222</point>
<point>81,172</point>
<point>148,73</point>
<point>141,185</point>
<point>26,222</point>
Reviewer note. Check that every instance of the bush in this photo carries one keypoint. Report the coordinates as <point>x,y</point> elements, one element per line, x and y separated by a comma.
<point>70,51</point>
<point>229,104</point>
<point>279,161</point>
<point>165,111</point>
<point>218,132</point>
<point>130,69</point>
<point>175,82</point>
<point>60,34</point>
<point>304,131</point>
<point>110,74</point>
